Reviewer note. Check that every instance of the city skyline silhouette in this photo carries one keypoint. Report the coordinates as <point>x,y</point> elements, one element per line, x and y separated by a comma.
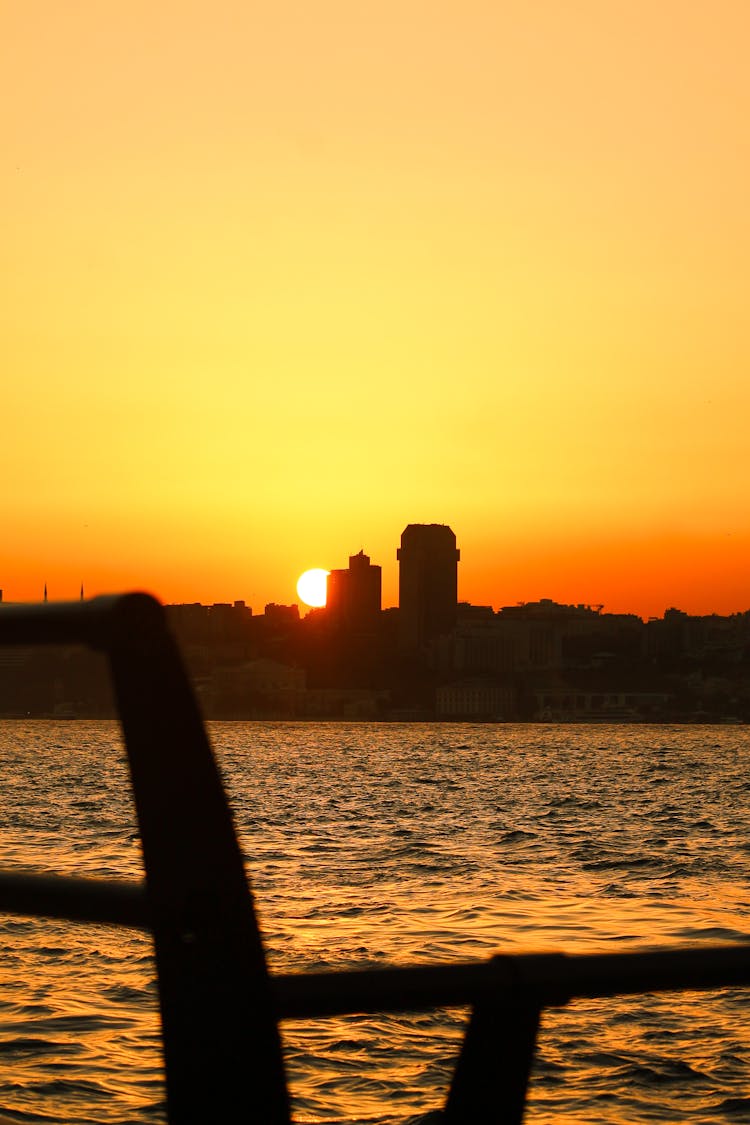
<point>431,657</point>
<point>338,576</point>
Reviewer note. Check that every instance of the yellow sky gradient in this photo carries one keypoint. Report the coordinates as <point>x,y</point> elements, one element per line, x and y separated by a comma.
<point>280,279</point>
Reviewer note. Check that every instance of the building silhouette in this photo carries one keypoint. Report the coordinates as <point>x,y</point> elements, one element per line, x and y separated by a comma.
<point>354,595</point>
<point>427,583</point>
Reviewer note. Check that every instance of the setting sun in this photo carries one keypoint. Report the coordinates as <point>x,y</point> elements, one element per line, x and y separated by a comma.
<point>312,587</point>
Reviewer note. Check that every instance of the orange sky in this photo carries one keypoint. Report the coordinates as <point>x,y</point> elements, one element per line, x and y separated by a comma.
<point>278,280</point>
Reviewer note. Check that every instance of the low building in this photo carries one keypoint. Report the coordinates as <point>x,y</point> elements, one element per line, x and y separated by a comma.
<point>568,704</point>
<point>474,699</point>
<point>256,688</point>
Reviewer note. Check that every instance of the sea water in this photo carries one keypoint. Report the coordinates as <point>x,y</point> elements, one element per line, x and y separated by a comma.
<point>377,844</point>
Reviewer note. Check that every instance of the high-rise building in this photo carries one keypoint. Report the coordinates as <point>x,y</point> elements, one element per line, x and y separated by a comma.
<point>427,583</point>
<point>354,595</point>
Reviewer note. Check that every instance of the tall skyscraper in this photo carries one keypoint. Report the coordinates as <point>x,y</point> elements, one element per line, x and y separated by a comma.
<point>427,583</point>
<point>354,595</point>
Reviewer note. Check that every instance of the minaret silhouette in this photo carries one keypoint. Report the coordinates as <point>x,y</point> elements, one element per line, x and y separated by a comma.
<point>82,591</point>
<point>45,591</point>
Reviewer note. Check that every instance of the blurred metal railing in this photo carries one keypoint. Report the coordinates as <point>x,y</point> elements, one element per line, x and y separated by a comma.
<point>219,1007</point>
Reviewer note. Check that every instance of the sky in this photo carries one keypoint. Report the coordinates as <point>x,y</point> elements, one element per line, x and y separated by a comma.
<point>278,280</point>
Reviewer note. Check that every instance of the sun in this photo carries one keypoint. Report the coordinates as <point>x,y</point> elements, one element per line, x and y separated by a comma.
<point>312,587</point>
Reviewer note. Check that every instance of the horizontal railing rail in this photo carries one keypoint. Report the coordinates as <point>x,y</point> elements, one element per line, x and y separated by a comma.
<point>113,901</point>
<point>219,1008</point>
<point>102,623</point>
<point>553,978</point>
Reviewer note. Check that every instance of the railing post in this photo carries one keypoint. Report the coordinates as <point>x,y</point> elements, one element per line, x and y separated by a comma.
<point>492,1073</point>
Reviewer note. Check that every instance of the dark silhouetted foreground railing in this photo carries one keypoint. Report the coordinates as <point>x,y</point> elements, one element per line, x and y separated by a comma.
<point>219,1007</point>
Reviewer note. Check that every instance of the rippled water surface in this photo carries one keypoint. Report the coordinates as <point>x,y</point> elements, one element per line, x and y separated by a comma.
<point>375,844</point>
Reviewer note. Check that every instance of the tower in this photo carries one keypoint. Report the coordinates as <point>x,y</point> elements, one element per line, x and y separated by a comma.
<point>427,583</point>
<point>353,599</point>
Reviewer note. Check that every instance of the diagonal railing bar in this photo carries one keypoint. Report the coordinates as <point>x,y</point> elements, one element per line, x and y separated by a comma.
<point>217,1011</point>
<point>219,1008</point>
